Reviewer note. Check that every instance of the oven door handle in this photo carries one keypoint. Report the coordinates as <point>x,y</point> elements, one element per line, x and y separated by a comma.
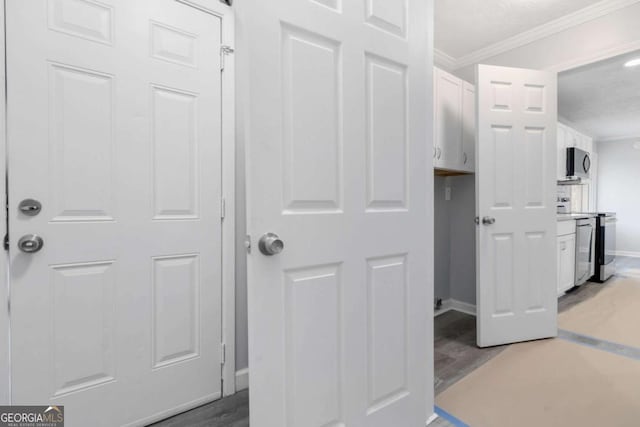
<point>591,245</point>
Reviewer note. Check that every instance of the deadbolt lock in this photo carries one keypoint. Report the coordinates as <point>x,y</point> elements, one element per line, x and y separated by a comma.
<point>30,207</point>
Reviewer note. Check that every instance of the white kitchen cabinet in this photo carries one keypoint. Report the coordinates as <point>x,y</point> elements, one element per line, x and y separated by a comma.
<point>448,120</point>
<point>469,127</point>
<point>566,255</point>
<point>562,151</point>
<point>573,138</point>
<point>454,109</point>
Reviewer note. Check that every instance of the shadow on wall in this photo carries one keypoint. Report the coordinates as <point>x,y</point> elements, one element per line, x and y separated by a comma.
<point>455,239</point>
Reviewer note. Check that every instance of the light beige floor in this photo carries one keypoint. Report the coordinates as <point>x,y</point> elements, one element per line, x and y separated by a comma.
<point>612,315</point>
<point>548,383</point>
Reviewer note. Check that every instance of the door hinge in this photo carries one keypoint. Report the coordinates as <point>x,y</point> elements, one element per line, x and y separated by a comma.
<point>225,51</point>
<point>223,208</point>
<point>223,353</point>
<point>6,242</point>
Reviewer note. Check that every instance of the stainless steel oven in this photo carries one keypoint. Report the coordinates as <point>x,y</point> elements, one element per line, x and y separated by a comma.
<point>605,246</point>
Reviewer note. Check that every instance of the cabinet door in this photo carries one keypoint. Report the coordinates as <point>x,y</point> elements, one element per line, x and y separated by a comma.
<point>562,152</point>
<point>572,138</point>
<point>566,262</point>
<point>469,127</point>
<point>588,144</point>
<point>448,123</point>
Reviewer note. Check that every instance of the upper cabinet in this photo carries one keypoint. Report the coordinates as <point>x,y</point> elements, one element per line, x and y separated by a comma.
<point>454,144</point>
<point>567,138</point>
<point>468,127</point>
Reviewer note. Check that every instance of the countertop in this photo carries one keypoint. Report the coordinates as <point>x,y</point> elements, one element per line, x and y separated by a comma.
<point>574,216</point>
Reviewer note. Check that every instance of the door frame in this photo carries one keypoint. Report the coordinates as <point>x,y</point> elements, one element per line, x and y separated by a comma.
<point>228,165</point>
<point>5,349</point>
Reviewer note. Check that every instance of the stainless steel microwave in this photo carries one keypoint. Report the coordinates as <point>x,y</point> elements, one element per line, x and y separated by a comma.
<point>578,163</point>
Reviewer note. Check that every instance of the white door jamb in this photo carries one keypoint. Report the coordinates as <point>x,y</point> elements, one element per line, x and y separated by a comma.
<point>227,18</point>
<point>5,350</point>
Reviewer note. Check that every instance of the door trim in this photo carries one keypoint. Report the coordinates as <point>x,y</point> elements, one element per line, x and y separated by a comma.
<point>227,18</point>
<point>5,353</point>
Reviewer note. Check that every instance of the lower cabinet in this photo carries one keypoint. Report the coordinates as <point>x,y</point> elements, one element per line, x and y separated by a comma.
<point>566,262</point>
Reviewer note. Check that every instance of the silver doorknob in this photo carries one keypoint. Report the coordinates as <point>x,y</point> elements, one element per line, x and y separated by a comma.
<point>30,243</point>
<point>487,220</point>
<point>270,244</point>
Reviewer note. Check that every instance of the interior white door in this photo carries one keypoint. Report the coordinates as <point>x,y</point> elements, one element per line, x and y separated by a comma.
<point>340,322</point>
<point>114,126</point>
<point>516,205</point>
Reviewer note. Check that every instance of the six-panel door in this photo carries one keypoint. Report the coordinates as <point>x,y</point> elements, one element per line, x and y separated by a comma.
<point>114,126</point>
<point>339,168</point>
<point>516,204</point>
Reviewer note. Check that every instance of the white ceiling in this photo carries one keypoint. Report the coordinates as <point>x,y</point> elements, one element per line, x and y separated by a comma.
<point>603,98</point>
<point>466,26</point>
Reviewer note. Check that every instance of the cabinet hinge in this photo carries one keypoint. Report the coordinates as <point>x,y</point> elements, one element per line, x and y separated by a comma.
<point>223,353</point>
<point>225,51</point>
<point>6,242</point>
<point>223,208</point>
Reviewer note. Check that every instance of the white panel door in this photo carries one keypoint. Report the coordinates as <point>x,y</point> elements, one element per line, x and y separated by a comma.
<point>340,168</point>
<point>114,126</point>
<point>516,205</point>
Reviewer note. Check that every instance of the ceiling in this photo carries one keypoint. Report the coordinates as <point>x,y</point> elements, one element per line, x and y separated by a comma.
<point>602,99</point>
<point>463,27</point>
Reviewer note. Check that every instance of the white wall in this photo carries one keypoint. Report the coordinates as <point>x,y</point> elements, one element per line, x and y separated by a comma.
<point>455,239</point>
<point>442,239</point>
<point>242,330</point>
<point>462,263</point>
<point>615,33</point>
<point>618,178</point>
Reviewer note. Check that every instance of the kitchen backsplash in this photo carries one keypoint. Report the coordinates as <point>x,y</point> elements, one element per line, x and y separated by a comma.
<point>577,195</point>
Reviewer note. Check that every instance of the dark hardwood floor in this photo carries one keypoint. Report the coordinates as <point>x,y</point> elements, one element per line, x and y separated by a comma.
<point>232,411</point>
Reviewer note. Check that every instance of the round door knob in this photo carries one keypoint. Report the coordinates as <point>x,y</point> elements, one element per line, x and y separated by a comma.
<point>30,243</point>
<point>270,244</point>
<point>487,220</point>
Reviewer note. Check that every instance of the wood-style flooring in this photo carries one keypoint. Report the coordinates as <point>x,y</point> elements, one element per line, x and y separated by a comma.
<point>456,355</point>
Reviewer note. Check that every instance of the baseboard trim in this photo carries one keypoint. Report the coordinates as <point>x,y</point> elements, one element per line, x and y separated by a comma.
<point>453,304</point>
<point>242,379</point>
<point>432,418</point>
<point>628,253</point>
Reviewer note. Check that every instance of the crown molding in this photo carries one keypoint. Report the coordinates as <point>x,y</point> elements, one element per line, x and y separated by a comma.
<point>625,138</point>
<point>596,57</point>
<point>443,60</point>
<point>571,20</point>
